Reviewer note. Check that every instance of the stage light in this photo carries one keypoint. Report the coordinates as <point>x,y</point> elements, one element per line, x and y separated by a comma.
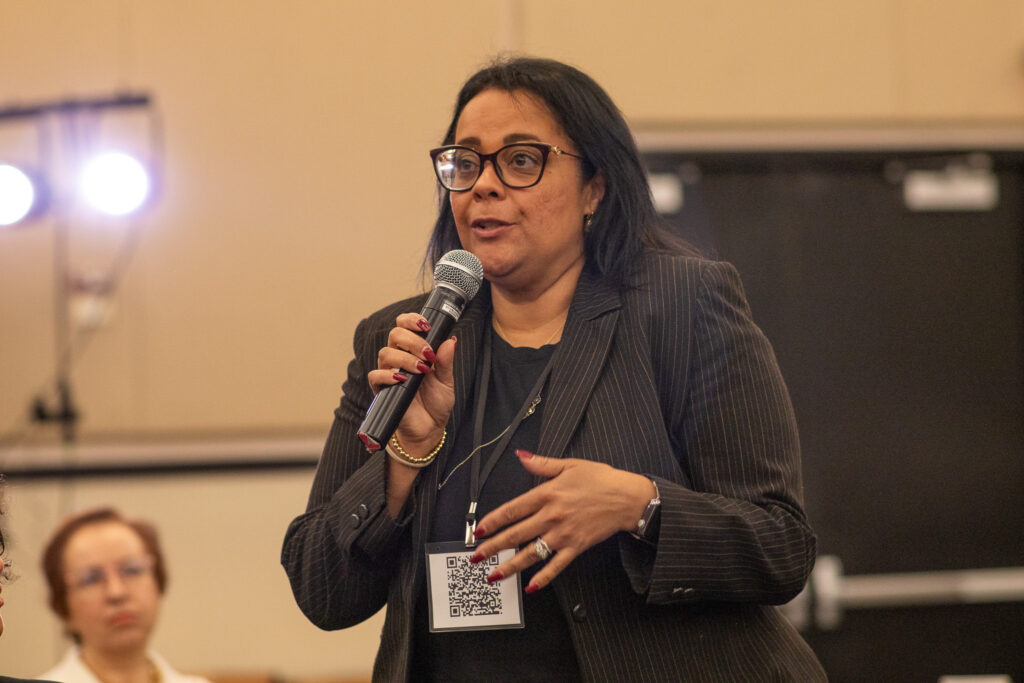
<point>64,175</point>
<point>17,195</point>
<point>115,183</point>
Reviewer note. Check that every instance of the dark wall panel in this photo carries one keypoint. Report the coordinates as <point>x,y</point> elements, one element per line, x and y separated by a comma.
<point>901,336</point>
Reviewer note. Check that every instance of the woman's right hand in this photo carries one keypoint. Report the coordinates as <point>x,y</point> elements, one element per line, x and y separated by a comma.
<point>407,354</point>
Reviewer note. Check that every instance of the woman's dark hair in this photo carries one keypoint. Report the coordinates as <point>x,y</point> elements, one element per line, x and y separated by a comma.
<point>625,222</point>
<point>53,554</point>
<point>6,572</point>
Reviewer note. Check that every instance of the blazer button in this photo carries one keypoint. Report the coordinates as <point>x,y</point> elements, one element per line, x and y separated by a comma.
<point>363,511</point>
<point>354,521</point>
<point>579,613</point>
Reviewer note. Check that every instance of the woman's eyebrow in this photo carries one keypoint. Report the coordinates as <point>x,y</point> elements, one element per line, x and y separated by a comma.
<point>508,139</point>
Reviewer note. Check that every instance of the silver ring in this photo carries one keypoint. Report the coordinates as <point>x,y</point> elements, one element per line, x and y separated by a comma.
<point>542,549</point>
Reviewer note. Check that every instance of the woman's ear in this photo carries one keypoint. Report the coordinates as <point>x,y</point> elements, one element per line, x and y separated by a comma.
<point>71,633</point>
<point>595,192</point>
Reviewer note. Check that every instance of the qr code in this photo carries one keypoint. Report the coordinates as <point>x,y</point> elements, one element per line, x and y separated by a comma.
<point>469,594</point>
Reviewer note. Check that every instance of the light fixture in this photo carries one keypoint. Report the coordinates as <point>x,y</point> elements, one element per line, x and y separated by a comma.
<point>80,150</point>
<point>114,183</point>
<point>18,195</point>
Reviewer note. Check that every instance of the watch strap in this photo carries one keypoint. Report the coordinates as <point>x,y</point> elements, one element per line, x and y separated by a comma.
<point>653,505</point>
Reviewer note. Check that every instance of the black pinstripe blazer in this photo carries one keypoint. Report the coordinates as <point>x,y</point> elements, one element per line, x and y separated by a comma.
<point>670,378</point>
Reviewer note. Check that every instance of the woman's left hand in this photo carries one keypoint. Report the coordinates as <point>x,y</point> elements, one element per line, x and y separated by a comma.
<point>582,504</point>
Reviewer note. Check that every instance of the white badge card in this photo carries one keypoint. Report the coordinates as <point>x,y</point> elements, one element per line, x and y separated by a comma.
<point>459,595</point>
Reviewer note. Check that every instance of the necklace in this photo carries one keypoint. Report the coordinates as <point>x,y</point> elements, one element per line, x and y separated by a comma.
<point>529,412</point>
<point>501,331</point>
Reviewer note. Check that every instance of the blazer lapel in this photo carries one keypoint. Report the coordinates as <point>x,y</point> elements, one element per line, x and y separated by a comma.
<point>469,330</point>
<point>586,340</point>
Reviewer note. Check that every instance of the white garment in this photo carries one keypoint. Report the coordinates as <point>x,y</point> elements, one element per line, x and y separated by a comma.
<point>72,669</point>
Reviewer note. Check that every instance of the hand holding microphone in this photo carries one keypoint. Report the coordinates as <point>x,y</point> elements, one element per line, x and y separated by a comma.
<point>457,279</point>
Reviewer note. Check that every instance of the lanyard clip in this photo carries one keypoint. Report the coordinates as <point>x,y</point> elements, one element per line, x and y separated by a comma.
<point>470,539</point>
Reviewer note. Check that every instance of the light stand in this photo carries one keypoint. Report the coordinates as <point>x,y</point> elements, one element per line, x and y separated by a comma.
<point>64,411</point>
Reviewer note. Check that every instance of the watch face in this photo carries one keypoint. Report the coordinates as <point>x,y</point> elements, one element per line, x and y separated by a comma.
<point>648,515</point>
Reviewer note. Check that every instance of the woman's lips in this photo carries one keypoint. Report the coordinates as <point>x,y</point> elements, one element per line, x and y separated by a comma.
<point>123,618</point>
<point>489,227</point>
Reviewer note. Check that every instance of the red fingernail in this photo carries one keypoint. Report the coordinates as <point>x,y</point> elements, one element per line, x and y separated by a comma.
<point>423,324</point>
<point>428,353</point>
<point>532,588</point>
<point>477,557</point>
<point>422,367</point>
<point>400,376</point>
<point>495,576</point>
<point>455,342</point>
<point>479,531</point>
<point>523,454</point>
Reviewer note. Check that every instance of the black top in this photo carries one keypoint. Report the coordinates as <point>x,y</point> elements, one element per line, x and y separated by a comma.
<point>542,650</point>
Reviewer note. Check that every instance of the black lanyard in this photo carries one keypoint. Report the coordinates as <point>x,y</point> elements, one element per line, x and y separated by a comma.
<point>477,478</point>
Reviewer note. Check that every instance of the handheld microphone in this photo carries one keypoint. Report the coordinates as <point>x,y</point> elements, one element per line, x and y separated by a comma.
<point>457,279</point>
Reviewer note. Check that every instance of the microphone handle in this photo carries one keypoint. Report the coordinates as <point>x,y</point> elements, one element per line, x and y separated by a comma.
<point>442,310</point>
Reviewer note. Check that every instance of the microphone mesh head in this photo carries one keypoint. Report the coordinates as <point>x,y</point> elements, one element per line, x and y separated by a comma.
<point>460,269</point>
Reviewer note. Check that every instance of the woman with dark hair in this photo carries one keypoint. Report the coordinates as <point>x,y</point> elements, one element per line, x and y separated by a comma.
<point>5,564</point>
<point>106,576</point>
<point>661,517</point>
<point>5,576</point>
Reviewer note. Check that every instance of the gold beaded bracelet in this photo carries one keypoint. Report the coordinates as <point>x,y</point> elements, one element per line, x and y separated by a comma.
<point>396,451</point>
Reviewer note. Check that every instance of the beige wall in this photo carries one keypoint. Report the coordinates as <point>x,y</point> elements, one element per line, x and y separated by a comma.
<point>297,198</point>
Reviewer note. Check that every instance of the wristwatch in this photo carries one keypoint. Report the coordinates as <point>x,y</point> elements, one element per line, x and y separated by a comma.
<point>644,525</point>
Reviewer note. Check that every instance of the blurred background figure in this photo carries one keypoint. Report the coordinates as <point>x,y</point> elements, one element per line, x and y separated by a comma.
<point>5,574</point>
<point>106,577</point>
<point>5,568</point>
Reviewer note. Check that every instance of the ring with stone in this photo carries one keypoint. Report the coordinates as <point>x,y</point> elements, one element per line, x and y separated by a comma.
<point>542,549</point>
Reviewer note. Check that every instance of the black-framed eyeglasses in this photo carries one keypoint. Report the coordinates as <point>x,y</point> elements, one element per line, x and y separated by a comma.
<point>518,165</point>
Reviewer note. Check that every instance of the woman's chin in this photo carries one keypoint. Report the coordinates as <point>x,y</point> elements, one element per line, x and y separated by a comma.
<point>499,264</point>
<point>125,639</point>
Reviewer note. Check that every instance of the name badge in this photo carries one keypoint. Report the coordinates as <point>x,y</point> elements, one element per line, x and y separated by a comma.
<point>459,596</point>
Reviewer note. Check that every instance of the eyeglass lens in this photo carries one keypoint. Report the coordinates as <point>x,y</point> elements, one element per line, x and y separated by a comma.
<point>128,571</point>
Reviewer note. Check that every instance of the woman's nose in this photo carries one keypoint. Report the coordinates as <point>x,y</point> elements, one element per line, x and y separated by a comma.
<point>116,586</point>
<point>488,183</point>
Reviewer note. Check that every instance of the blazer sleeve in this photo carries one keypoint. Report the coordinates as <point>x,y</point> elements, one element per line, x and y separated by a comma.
<point>340,555</point>
<point>736,530</point>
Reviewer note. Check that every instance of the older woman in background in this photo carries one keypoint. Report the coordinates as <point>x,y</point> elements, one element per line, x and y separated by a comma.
<point>106,576</point>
